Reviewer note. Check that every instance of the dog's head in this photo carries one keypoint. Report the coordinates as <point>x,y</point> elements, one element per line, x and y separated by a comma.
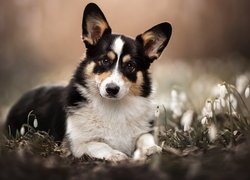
<point>118,65</point>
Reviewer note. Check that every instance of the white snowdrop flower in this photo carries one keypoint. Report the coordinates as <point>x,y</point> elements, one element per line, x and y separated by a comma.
<point>247,92</point>
<point>22,130</point>
<point>207,110</point>
<point>217,105</point>
<point>186,119</point>
<point>235,132</point>
<point>174,94</point>
<point>35,123</point>
<point>212,132</point>
<point>177,112</point>
<point>208,104</point>
<point>204,121</point>
<point>223,90</point>
<point>216,90</point>
<point>207,113</point>
<point>176,108</point>
<point>177,103</point>
<point>234,113</point>
<point>231,101</point>
<point>223,102</point>
<point>241,83</point>
<point>183,97</point>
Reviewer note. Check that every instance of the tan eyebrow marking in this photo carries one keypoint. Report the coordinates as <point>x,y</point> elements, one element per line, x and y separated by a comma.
<point>103,76</point>
<point>111,55</point>
<point>126,58</point>
<point>89,68</point>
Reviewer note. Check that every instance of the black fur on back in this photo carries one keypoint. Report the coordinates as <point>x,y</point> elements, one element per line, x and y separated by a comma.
<point>46,104</point>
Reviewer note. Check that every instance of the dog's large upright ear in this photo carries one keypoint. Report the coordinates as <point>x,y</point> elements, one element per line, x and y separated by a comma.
<point>155,40</point>
<point>94,25</point>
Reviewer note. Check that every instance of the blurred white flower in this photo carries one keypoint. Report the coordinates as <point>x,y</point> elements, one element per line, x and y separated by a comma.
<point>212,132</point>
<point>231,101</point>
<point>217,105</point>
<point>247,92</point>
<point>223,102</point>
<point>35,123</point>
<point>183,97</point>
<point>208,104</point>
<point>204,121</point>
<point>174,94</point>
<point>176,109</point>
<point>186,119</point>
<point>223,90</point>
<point>235,132</point>
<point>22,130</point>
<point>176,105</point>
<point>234,113</point>
<point>216,90</point>
<point>241,83</point>
<point>207,109</point>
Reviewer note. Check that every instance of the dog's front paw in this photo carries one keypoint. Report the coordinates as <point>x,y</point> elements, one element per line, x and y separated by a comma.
<point>142,153</point>
<point>117,156</point>
<point>152,150</point>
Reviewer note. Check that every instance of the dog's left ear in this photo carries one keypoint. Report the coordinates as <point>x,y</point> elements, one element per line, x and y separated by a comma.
<point>155,40</point>
<point>94,25</point>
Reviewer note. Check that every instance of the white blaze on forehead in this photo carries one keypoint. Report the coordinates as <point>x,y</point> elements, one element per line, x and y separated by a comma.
<point>116,77</point>
<point>117,47</point>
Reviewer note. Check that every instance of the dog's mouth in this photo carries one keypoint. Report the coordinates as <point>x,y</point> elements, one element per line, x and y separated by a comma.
<point>110,97</point>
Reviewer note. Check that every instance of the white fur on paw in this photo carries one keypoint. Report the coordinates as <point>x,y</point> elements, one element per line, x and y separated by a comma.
<point>137,154</point>
<point>117,156</point>
<point>146,151</point>
<point>152,150</point>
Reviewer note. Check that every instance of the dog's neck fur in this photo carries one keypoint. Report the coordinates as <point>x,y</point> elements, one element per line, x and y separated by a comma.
<point>117,123</point>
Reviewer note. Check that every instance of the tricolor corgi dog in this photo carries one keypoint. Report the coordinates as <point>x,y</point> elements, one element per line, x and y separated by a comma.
<point>106,111</point>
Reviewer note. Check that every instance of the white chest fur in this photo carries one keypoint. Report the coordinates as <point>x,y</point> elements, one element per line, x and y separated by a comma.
<point>117,123</point>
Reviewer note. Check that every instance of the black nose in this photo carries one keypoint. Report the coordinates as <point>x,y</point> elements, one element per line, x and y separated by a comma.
<point>112,89</point>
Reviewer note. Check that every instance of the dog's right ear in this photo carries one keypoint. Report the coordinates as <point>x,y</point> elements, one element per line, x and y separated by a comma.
<point>155,40</point>
<point>94,25</point>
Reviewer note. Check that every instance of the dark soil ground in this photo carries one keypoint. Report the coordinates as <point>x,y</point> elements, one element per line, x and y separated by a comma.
<point>37,156</point>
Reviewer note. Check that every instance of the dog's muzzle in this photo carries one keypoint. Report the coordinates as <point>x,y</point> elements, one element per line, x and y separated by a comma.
<point>112,89</point>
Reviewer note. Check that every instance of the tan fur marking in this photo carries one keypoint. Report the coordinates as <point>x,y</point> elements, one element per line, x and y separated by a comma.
<point>111,55</point>
<point>126,58</point>
<point>82,58</point>
<point>103,76</point>
<point>151,42</point>
<point>148,36</point>
<point>135,88</point>
<point>95,27</point>
<point>90,68</point>
<point>87,39</point>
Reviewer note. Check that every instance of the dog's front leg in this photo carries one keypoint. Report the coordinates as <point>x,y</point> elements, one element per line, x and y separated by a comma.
<point>99,150</point>
<point>146,146</point>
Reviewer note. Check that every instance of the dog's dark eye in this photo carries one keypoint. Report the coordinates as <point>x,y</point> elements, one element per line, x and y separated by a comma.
<point>130,67</point>
<point>105,62</point>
